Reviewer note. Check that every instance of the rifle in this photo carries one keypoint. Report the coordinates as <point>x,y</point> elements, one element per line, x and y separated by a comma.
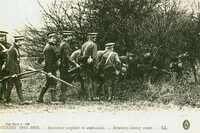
<point>162,70</point>
<point>20,75</point>
<point>54,77</point>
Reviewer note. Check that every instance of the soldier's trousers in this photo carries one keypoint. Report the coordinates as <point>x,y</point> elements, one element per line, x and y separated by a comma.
<point>89,83</point>
<point>109,82</point>
<point>2,90</point>
<point>10,84</point>
<point>50,83</point>
<point>66,76</point>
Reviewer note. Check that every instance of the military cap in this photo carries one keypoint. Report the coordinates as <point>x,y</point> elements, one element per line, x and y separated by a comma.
<point>51,34</point>
<point>111,44</point>
<point>67,32</point>
<point>18,38</point>
<point>92,34</point>
<point>3,33</point>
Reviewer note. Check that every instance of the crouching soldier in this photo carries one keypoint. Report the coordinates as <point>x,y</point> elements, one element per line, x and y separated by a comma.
<point>110,66</point>
<point>76,73</point>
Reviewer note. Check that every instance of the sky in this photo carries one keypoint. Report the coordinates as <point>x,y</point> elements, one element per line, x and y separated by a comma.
<point>14,14</point>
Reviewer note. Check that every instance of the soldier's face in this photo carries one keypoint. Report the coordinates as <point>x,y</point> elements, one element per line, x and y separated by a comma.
<point>92,38</point>
<point>130,58</point>
<point>18,43</point>
<point>52,40</point>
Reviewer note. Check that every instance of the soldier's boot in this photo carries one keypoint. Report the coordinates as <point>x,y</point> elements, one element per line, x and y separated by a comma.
<point>1,92</point>
<point>43,91</point>
<point>3,89</point>
<point>20,95</point>
<point>53,94</point>
<point>83,90</point>
<point>90,96</point>
<point>7,94</point>
<point>63,94</point>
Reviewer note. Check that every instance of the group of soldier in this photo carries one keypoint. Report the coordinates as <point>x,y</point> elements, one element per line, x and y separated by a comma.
<point>96,69</point>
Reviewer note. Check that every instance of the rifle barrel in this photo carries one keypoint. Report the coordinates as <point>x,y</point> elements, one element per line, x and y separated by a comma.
<point>18,75</point>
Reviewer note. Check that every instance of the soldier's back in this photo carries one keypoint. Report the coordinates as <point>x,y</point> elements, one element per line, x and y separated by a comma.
<point>12,62</point>
<point>87,48</point>
<point>50,58</point>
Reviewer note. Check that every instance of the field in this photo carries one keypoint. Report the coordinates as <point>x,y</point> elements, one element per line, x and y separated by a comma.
<point>129,96</point>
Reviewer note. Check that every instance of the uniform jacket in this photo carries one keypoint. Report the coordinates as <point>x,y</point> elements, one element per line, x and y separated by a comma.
<point>76,55</point>
<point>89,48</point>
<point>110,59</point>
<point>65,52</point>
<point>12,62</point>
<point>50,58</point>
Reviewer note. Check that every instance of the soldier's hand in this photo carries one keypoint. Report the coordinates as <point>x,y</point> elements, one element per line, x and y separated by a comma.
<point>3,66</point>
<point>77,65</point>
<point>90,60</point>
<point>14,76</point>
<point>117,72</point>
<point>50,74</point>
<point>154,67</point>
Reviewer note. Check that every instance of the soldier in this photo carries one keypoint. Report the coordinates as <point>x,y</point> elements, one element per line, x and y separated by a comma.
<point>51,66</point>
<point>88,60</point>
<point>176,67</point>
<point>12,67</point>
<point>65,61</point>
<point>110,66</point>
<point>75,56</point>
<point>3,57</point>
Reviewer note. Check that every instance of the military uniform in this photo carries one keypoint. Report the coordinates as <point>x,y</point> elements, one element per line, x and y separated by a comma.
<point>109,66</point>
<point>65,61</point>
<point>88,60</point>
<point>2,62</point>
<point>51,66</point>
<point>3,56</point>
<point>75,56</point>
<point>12,67</point>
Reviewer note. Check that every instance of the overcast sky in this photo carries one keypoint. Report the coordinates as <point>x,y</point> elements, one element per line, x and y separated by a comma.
<point>14,14</point>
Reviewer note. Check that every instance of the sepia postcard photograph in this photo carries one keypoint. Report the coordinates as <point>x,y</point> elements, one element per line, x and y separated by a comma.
<point>99,66</point>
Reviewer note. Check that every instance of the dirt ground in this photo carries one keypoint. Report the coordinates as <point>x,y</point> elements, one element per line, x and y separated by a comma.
<point>94,106</point>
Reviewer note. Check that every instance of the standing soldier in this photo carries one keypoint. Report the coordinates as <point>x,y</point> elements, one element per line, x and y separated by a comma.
<point>65,61</point>
<point>3,51</point>
<point>110,65</point>
<point>51,66</point>
<point>88,60</point>
<point>12,67</point>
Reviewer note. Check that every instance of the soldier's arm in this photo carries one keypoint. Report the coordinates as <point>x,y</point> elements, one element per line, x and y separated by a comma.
<point>94,52</point>
<point>73,56</point>
<point>67,51</point>
<point>117,61</point>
